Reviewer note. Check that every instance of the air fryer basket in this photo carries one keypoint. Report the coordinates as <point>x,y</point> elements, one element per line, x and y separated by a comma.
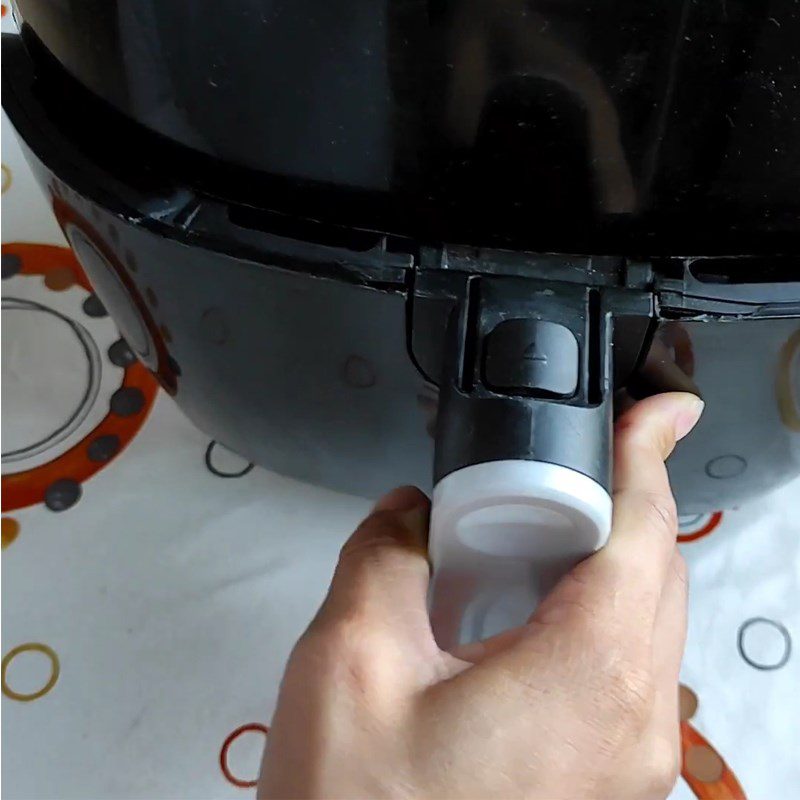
<point>306,244</point>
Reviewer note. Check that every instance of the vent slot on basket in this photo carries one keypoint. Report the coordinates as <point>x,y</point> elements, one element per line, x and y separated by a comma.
<point>746,270</point>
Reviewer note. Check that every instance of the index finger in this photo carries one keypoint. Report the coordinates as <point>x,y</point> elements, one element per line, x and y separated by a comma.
<point>645,522</point>
<point>624,580</point>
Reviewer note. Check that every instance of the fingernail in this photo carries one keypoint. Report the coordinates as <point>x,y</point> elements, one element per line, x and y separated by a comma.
<point>415,519</point>
<point>688,418</point>
<point>403,498</point>
<point>472,651</point>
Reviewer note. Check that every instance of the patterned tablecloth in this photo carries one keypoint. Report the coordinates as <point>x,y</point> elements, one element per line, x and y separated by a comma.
<point>151,596</point>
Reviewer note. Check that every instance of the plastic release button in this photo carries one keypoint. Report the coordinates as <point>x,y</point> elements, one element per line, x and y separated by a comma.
<point>532,357</point>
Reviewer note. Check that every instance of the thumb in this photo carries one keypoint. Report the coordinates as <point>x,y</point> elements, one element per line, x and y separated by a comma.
<point>381,580</point>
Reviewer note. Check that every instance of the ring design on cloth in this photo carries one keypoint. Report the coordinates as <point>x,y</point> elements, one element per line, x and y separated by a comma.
<point>223,753</point>
<point>702,767</point>
<point>788,395</point>
<point>781,629</point>
<point>10,531</point>
<point>700,526</point>
<point>49,466</point>
<point>31,647</point>
<point>216,470</point>
<point>704,770</point>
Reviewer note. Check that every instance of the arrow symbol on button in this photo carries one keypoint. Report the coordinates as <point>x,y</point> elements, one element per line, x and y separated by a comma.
<point>530,354</point>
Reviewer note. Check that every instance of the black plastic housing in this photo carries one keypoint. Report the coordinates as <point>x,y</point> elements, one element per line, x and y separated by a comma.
<point>478,423</point>
<point>308,320</point>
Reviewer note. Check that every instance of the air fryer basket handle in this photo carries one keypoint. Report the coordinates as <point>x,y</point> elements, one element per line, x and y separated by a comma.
<point>523,451</point>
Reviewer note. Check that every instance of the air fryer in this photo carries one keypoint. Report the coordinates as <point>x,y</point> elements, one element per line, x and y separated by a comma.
<point>366,244</point>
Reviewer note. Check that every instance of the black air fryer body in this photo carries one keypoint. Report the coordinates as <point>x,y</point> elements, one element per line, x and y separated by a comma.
<point>306,216</point>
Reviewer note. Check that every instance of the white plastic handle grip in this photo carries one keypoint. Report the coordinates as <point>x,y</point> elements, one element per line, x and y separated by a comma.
<point>502,533</point>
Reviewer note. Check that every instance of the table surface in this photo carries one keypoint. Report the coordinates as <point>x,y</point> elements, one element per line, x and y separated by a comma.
<point>169,593</point>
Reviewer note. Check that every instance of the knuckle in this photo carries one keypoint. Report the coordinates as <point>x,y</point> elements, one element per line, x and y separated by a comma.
<point>380,539</point>
<point>654,441</point>
<point>663,765</point>
<point>319,644</point>
<point>346,650</point>
<point>377,526</point>
<point>571,599</point>
<point>660,512</point>
<point>344,636</point>
<point>630,695</point>
<point>365,554</point>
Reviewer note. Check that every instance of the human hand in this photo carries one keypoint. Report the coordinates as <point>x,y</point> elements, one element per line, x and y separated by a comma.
<point>579,703</point>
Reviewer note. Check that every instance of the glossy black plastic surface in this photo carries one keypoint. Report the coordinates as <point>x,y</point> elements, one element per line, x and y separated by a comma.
<point>478,422</point>
<point>306,348</point>
<point>748,373</point>
<point>660,127</point>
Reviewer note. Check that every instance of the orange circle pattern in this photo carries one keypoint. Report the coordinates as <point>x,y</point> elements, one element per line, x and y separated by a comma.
<point>31,647</point>
<point>166,371</point>
<point>28,488</point>
<point>787,405</point>
<point>709,527</point>
<point>718,783</point>
<point>223,753</point>
<point>10,531</point>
